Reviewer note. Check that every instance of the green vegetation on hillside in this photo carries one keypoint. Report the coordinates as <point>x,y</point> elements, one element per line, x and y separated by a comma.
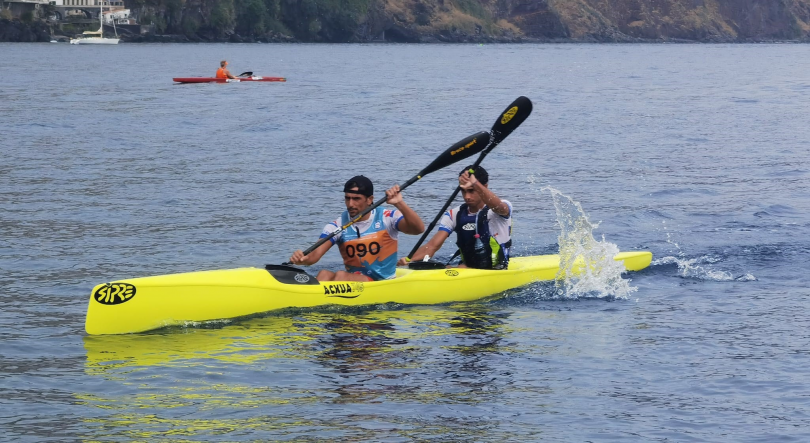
<point>461,20</point>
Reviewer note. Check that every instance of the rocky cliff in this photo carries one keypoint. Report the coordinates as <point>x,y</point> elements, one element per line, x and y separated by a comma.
<point>480,20</point>
<point>469,20</point>
<point>24,31</point>
<point>692,20</point>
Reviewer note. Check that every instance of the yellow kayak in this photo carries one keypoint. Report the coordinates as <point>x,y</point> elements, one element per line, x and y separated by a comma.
<point>147,303</point>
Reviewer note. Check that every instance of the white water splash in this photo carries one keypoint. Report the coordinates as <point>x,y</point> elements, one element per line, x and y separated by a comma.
<point>696,268</point>
<point>587,267</point>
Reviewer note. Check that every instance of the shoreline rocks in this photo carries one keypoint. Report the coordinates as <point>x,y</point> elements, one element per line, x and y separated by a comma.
<point>17,31</point>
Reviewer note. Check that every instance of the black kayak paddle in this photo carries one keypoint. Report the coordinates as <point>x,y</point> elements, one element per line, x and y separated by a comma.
<point>508,121</point>
<point>459,151</point>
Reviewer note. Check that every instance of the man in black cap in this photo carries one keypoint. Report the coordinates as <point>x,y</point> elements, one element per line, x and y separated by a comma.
<point>369,246</point>
<point>483,225</point>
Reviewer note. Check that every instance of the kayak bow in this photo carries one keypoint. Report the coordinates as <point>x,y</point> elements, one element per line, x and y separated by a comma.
<point>143,304</point>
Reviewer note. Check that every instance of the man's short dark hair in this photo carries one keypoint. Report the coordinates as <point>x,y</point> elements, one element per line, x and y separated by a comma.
<point>480,173</point>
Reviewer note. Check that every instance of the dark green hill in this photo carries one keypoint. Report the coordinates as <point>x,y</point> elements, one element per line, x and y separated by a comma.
<point>469,20</point>
<point>480,20</point>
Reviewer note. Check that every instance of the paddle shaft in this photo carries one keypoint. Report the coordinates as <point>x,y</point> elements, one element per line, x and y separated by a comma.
<point>447,204</point>
<point>460,150</point>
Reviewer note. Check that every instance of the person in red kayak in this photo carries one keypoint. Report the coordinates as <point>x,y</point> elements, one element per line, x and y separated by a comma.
<point>222,72</point>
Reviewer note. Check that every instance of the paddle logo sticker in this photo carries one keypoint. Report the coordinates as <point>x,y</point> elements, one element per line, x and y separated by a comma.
<point>343,290</point>
<point>467,146</point>
<point>451,272</point>
<point>114,293</point>
<point>509,114</point>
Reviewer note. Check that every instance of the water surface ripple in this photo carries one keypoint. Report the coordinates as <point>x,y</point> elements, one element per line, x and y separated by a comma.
<point>698,153</point>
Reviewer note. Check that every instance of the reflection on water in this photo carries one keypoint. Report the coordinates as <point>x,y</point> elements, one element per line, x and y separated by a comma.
<point>203,382</point>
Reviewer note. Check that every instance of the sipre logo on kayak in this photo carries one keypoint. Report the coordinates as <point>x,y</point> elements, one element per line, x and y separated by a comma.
<point>451,272</point>
<point>464,147</point>
<point>340,289</point>
<point>301,278</point>
<point>114,293</point>
<point>508,115</point>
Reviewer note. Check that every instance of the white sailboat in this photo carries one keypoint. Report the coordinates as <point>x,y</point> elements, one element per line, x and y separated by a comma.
<point>96,37</point>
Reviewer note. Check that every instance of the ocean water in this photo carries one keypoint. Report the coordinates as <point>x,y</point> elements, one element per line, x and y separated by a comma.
<point>697,153</point>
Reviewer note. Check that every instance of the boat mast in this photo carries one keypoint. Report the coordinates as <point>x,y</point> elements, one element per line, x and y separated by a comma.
<point>112,18</point>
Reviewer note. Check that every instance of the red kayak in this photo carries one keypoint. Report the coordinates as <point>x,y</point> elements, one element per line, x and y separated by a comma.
<point>228,80</point>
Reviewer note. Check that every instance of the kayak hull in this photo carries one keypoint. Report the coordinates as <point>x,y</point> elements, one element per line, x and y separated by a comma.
<point>147,303</point>
<point>227,80</point>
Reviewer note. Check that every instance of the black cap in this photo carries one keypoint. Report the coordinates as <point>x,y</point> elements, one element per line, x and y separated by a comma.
<point>480,174</point>
<point>362,183</point>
